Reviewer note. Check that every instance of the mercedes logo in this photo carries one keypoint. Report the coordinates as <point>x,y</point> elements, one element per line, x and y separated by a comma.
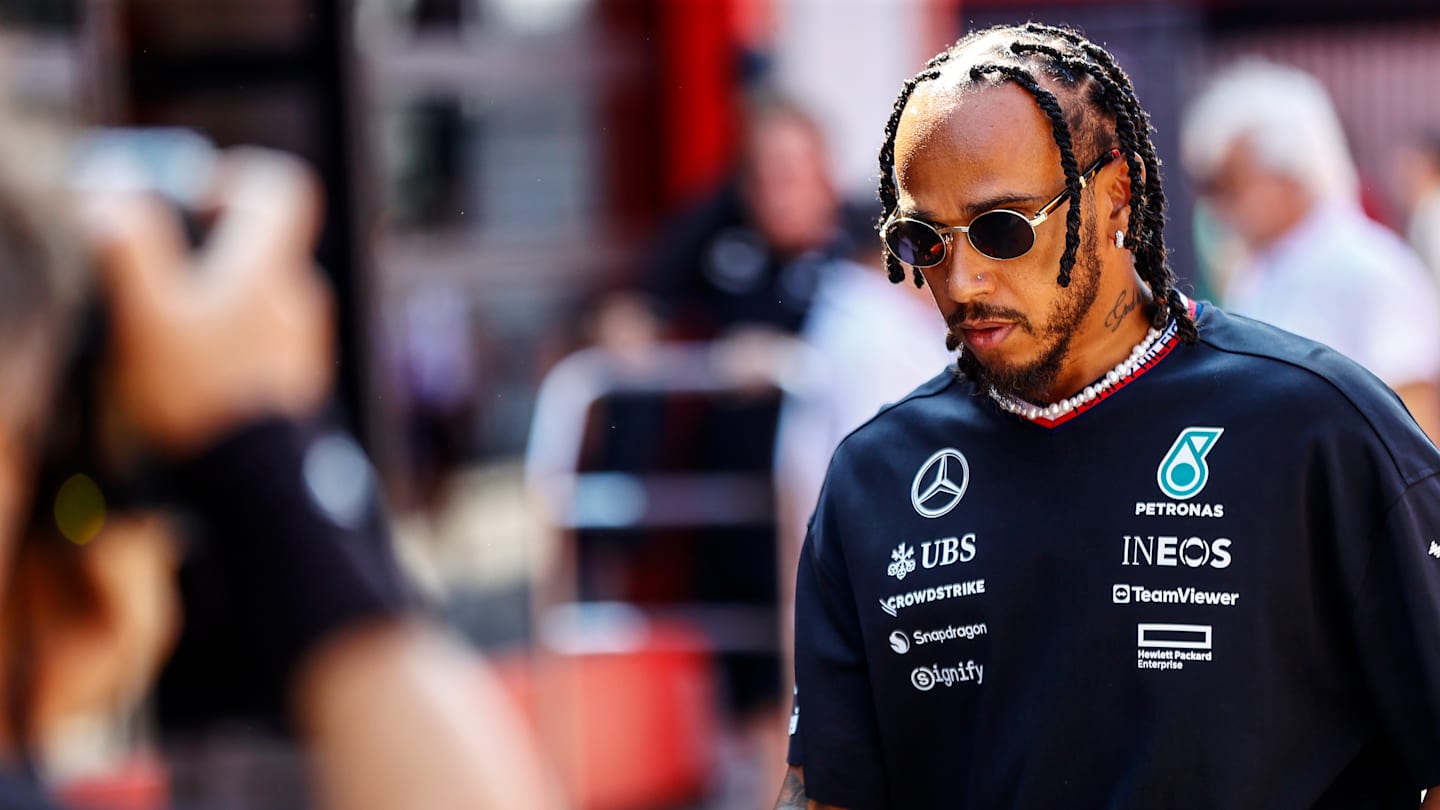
<point>940,483</point>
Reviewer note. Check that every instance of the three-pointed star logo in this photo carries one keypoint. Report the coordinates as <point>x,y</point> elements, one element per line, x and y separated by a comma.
<point>940,483</point>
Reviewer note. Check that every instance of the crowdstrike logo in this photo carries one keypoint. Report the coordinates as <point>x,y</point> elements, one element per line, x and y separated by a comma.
<point>940,483</point>
<point>893,604</point>
<point>1183,472</point>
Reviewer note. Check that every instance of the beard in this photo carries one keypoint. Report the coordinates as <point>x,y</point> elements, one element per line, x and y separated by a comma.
<point>1029,381</point>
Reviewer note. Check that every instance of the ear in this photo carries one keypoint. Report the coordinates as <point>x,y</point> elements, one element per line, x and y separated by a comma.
<point>1115,188</point>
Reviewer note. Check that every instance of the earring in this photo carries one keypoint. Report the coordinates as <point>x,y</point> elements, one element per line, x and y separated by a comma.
<point>979,276</point>
<point>1119,239</point>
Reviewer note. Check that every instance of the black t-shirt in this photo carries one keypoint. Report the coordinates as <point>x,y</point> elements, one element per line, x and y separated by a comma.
<point>19,793</point>
<point>1218,586</point>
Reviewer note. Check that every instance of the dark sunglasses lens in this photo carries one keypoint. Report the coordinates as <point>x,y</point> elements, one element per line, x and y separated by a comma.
<point>915,243</point>
<point>1002,234</point>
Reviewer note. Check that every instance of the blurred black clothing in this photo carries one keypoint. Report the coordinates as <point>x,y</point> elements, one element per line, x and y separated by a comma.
<point>710,274</point>
<point>289,547</point>
<point>18,793</point>
<point>712,270</point>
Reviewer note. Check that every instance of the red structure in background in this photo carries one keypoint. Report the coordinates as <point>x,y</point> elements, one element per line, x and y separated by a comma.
<point>698,78</point>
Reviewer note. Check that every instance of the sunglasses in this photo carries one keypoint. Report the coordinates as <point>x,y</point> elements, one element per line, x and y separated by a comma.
<point>999,233</point>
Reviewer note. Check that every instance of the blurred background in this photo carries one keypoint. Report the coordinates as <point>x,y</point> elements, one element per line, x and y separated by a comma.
<point>574,312</point>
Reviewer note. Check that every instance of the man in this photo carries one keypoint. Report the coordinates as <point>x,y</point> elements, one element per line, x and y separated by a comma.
<point>1138,553</point>
<point>1416,176</point>
<point>1269,157</point>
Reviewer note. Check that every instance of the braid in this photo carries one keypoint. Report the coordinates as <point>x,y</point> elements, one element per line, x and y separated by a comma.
<point>889,195</point>
<point>1051,106</point>
<point>1147,209</point>
<point>1073,61</point>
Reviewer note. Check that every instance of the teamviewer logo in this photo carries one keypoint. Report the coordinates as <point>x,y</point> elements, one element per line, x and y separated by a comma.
<point>1121,594</point>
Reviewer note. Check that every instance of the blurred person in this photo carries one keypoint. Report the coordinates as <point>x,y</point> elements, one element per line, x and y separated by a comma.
<point>218,362</point>
<point>750,255</point>
<point>1416,170</point>
<point>1267,153</point>
<point>1139,552</point>
<point>438,367</point>
<point>850,377</point>
<point>740,270</point>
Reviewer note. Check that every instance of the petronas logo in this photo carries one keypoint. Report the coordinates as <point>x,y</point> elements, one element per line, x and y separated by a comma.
<point>1184,473</point>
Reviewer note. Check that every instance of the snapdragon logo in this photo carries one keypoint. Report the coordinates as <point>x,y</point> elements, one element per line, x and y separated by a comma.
<point>1183,472</point>
<point>900,641</point>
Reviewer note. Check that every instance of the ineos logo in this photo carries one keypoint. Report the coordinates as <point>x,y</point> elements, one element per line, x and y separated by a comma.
<point>1173,551</point>
<point>940,483</point>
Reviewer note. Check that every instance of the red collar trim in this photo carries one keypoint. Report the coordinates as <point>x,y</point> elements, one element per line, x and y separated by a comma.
<point>1162,348</point>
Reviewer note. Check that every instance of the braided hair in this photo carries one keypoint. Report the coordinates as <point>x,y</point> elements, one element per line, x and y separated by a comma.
<point>1103,113</point>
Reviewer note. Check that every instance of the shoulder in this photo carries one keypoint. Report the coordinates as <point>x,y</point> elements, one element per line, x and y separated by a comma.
<point>1304,380</point>
<point>896,423</point>
<point>1258,348</point>
<point>886,443</point>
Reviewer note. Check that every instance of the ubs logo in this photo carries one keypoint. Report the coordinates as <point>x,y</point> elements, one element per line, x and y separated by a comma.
<point>940,483</point>
<point>933,554</point>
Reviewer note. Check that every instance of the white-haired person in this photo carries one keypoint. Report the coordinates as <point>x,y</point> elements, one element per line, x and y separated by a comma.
<point>1266,150</point>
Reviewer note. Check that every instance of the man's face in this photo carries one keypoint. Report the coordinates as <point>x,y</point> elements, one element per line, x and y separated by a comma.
<point>787,186</point>
<point>1256,203</point>
<point>958,155</point>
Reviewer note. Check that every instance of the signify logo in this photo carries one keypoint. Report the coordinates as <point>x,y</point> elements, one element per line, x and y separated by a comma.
<point>927,678</point>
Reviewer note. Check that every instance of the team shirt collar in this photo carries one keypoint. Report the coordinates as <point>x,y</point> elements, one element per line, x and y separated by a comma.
<point>1158,350</point>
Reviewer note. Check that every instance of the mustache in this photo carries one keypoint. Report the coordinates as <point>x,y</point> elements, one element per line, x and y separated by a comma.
<point>986,312</point>
<point>980,311</point>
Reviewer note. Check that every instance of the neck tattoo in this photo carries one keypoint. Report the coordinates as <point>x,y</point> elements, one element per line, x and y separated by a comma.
<point>1144,352</point>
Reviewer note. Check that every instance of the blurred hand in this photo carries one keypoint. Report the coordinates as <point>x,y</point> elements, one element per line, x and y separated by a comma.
<point>755,358</point>
<point>240,329</point>
<point>626,325</point>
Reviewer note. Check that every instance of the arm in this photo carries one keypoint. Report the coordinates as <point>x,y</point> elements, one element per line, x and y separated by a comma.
<point>792,793</point>
<point>396,716</point>
<point>221,358</point>
<point>1432,799</point>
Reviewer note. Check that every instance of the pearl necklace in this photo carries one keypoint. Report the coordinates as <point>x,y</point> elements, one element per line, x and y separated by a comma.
<point>1142,354</point>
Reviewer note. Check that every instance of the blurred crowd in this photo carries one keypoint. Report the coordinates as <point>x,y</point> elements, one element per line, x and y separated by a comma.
<point>208,603</point>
